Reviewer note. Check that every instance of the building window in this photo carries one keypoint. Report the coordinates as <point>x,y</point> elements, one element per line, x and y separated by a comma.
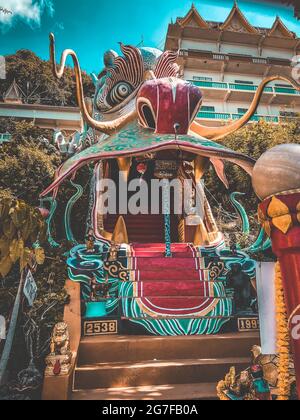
<point>243,111</point>
<point>208,109</point>
<point>202,79</point>
<point>283,85</point>
<point>289,114</point>
<point>243,82</point>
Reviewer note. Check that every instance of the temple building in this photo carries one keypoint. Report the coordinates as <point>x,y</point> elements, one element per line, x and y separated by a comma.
<point>229,59</point>
<point>13,106</point>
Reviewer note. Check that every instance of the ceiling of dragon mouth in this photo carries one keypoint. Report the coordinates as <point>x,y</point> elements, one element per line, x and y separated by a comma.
<point>134,140</point>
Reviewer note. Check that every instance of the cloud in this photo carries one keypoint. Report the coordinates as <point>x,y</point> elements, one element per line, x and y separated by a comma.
<point>30,11</point>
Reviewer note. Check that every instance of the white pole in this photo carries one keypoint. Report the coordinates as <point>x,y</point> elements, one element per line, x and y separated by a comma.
<point>11,333</point>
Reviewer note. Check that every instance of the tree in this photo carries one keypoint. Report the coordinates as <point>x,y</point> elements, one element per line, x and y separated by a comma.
<point>253,141</point>
<point>34,77</point>
<point>28,162</point>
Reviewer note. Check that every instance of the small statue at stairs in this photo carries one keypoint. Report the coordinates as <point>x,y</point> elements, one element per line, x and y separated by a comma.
<point>240,282</point>
<point>261,388</point>
<point>113,253</point>
<point>60,358</point>
<point>90,242</point>
<point>99,290</point>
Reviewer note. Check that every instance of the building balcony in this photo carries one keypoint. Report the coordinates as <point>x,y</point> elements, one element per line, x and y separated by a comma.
<point>229,63</point>
<point>237,92</point>
<point>222,117</point>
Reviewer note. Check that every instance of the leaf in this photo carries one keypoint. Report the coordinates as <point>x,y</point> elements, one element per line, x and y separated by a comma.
<point>25,258</point>
<point>9,229</point>
<point>26,229</point>
<point>16,250</point>
<point>19,214</point>
<point>40,256</point>
<point>4,209</point>
<point>4,247</point>
<point>5,266</point>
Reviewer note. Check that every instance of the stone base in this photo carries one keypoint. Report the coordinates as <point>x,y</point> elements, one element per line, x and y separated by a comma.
<point>58,365</point>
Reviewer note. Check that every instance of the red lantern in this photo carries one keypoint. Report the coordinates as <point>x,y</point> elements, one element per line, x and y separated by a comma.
<point>44,212</point>
<point>141,168</point>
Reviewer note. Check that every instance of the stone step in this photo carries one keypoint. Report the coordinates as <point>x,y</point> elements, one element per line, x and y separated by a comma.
<point>168,274</point>
<point>110,349</point>
<point>171,392</point>
<point>161,254</point>
<point>184,371</point>
<point>166,263</point>
<point>180,289</point>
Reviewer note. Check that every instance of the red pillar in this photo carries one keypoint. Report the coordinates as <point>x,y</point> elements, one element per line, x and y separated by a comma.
<point>280,216</point>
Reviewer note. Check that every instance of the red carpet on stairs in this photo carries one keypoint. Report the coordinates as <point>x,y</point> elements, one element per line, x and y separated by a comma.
<point>172,287</point>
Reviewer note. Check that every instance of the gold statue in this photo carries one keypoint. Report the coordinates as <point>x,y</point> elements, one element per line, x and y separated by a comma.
<point>59,360</point>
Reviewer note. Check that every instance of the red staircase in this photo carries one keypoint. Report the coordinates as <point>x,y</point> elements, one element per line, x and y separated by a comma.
<point>142,228</point>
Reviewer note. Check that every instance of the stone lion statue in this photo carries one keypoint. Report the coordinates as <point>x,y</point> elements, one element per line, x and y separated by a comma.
<point>59,360</point>
<point>60,340</point>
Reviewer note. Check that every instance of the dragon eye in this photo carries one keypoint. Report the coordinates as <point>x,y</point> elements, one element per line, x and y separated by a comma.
<point>119,92</point>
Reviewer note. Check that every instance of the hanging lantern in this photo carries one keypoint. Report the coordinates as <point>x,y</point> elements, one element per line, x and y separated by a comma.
<point>44,212</point>
<point>142,168</point>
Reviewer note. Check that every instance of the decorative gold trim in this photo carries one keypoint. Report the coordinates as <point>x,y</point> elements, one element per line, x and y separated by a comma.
<point>285,31</point>
<point>288,192</point>
<point>283,223</point>
<point>236,11</point>
<point>120,235</point>
<point>201,235</point>
<point>193,13</point>
<point>154,315</point>
<point>124,167</point>
<point>283,339</point>
<point>277,208</point>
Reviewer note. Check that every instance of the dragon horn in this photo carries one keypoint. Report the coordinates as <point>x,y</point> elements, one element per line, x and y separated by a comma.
<point>218,133</point>
<point>104,127</point>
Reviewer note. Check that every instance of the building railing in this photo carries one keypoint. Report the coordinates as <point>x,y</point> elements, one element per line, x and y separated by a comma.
<point>5,138</point>
<point>232,116</point>
<point>201,54</point>
<point>245,87</point>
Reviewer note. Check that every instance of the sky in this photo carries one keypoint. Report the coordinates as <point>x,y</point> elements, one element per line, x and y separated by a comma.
<point>91,27</point>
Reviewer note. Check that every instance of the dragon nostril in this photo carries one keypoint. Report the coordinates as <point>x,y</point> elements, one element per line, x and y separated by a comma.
<point>149,117</point>
<point>176,127</point>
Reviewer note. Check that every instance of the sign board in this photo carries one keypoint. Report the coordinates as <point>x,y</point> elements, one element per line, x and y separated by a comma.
<point>248,324</point>
<point>30,288</point>
<point>2,328</point>
<point>95,328</point>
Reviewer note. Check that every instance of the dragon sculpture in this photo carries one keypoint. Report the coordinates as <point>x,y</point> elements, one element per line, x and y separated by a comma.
<point>142,108</point>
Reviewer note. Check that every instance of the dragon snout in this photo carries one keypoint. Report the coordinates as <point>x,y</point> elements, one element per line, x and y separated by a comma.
<point>168,106</point>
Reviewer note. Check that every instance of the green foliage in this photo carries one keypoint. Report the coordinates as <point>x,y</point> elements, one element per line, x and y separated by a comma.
<point>21,226</point>
<point>35,78</point>
<point>47,310</point>
<point>253,141</point>
<point>28,162</point>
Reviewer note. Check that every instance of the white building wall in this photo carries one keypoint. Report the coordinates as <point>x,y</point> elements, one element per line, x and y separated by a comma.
<point>239,49</point>
<point>230,107</point>
<point>187,44</point>
<point>277,53</point>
